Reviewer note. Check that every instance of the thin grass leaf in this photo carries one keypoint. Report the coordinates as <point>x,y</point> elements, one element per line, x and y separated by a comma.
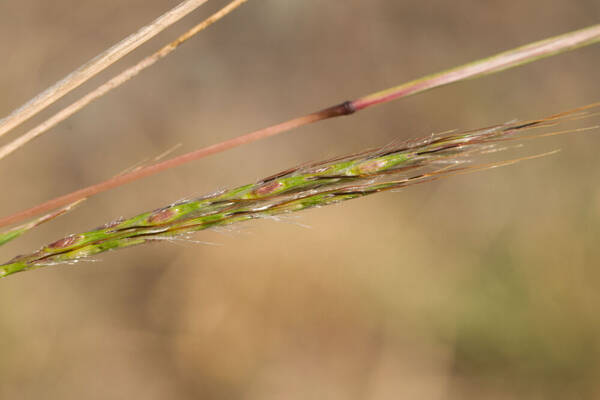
<point>116,81</point>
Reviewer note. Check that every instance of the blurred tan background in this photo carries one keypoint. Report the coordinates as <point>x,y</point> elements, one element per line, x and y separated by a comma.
<point>480,286</point>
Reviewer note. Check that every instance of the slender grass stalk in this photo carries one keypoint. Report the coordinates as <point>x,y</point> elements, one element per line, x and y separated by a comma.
<point>296,189</point>
<point>96,65</point>
<point>116,81</point>
<point>499,62</point>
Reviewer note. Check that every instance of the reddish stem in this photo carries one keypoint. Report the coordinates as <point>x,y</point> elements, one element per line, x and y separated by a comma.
<point>335,111</point>
<point>501,61</point>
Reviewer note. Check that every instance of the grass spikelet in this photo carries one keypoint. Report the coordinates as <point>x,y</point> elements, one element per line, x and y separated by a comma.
<point>296,189</point>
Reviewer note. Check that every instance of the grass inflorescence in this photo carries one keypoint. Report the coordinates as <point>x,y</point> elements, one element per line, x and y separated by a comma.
<point>300,188</point>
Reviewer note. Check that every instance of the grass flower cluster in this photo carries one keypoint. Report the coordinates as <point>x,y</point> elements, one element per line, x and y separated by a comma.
<point>315,185</point>
<point>296,189</point>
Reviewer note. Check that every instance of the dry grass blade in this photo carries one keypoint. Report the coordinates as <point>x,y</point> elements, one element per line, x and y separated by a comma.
<point>96,65</point>
<point>116,81</point>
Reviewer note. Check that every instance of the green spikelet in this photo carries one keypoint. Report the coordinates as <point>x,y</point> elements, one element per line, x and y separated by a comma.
<point>297,189</point>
